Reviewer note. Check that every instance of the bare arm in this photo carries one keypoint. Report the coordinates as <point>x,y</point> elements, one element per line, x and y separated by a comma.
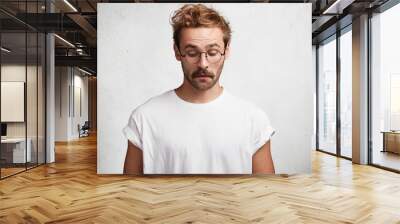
<point>262,160</point>
<point>133,160</point>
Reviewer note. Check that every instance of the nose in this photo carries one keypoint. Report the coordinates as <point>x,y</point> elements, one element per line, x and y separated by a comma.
<point>203,62</point>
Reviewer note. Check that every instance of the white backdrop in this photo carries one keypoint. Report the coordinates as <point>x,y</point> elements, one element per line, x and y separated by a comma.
<point>270,65</point>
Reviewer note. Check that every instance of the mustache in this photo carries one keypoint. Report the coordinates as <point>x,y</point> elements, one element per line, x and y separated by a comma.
<point>202,73</point>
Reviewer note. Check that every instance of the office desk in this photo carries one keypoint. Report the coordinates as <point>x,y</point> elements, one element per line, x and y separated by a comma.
<point>391,141</point>
<point>13,150</point>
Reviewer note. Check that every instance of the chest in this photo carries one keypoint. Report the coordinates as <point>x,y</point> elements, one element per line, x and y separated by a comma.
<point>199,133</point>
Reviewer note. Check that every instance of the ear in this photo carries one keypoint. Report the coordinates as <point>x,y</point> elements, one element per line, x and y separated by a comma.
<point>228,50</point>
<point>177,55</point>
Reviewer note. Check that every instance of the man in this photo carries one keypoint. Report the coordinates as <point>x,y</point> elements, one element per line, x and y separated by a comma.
<point>199,128</point>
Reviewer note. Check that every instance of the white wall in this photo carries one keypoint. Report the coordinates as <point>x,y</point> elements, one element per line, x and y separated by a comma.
<point>61,103</point>
<point>68,80</point>
<point>270,65</point>
<point>80,83</point>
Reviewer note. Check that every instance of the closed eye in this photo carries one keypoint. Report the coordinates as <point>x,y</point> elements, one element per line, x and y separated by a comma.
<point>192,53</point>
<point>213,52</point>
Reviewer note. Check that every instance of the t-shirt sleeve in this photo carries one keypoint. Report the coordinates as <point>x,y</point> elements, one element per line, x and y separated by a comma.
<point>262,131</point>
<point>132,130</point>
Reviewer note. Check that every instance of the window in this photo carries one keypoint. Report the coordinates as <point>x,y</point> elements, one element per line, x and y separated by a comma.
<point>385,88</point>
<point>22,77</point>
<point>346,93</point>
<point>327,96</point>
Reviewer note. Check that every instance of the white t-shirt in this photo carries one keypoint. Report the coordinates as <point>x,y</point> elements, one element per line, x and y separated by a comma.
<point>179,137</point>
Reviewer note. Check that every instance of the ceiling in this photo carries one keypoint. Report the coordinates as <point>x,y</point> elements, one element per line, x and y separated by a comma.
<point>76,22</point>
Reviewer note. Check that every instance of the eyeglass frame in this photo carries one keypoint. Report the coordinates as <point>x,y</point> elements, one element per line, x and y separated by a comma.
<point>205,52</point>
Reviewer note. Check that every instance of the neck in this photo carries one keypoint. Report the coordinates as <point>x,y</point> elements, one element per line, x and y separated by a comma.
<point>192,95</point>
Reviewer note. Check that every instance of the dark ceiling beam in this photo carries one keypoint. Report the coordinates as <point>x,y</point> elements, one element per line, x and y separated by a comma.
<point>63,7</point>
<point>64,51</point>
<point>83,23</point>
<point>321,22</point>
<point>332,29</point>
<point>15,18</point>
<point>89,70</point>
<point>91,5</point>
<point>49,22</point>
<point>329,14</point>
<point>337,7</point>
<point>84,61</point>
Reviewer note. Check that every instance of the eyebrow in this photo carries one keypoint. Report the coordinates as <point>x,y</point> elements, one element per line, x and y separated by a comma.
<point>207,46</point>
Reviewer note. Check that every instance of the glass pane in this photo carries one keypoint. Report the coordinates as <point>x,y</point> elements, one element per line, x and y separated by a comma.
<point>314,59</point>
<point>327,96</point>
<point>41,98</point>
<point>346,94</point>
<point>31,100</point>
<point>386,89</point>
<point>13,87</point>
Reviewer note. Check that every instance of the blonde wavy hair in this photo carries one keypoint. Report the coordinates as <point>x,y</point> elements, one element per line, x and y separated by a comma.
<point>198,15</point>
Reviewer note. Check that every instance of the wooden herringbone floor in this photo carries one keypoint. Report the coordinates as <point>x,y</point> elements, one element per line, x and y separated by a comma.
<point>70,191</point>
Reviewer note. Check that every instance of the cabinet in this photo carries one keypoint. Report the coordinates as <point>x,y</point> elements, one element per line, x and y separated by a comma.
<point>391,141</point>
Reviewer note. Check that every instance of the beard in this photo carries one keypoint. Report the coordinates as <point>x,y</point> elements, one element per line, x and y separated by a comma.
<point>203,79</point>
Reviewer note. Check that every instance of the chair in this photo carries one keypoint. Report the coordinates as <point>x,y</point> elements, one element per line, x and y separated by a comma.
<point>84,130</point>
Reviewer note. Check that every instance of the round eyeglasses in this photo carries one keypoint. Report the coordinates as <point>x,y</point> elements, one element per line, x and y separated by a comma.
<point>193,56</point>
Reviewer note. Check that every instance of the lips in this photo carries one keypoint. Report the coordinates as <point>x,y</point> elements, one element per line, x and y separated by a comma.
<point>203,76</point>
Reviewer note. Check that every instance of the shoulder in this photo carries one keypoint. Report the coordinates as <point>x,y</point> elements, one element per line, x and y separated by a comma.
<point>238,102</point>
<point>150,107</point>
<point>153,104</point>
<point>247,107</point>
